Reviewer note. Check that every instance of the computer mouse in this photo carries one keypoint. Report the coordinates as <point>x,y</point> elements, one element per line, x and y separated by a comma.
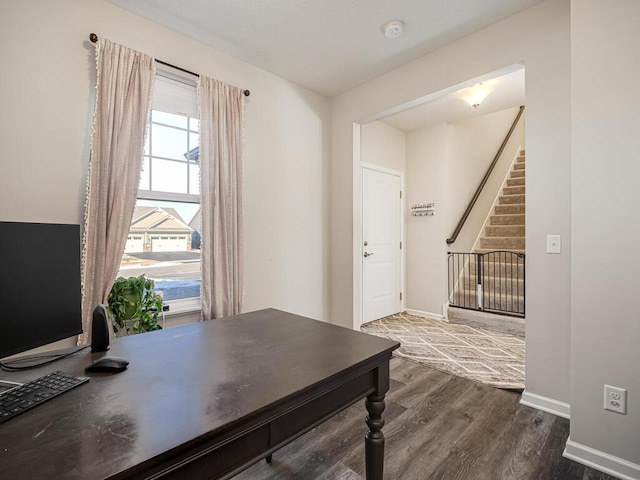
<point>108,364</point>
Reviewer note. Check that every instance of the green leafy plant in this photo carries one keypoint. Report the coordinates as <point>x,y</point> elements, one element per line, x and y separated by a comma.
<point>133,305</point>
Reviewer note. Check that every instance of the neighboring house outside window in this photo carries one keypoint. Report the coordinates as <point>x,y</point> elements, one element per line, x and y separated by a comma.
<point>164,238</point>
<point>156,229</point>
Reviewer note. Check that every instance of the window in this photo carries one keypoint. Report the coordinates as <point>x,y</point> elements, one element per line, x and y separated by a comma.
<point>164,237</point>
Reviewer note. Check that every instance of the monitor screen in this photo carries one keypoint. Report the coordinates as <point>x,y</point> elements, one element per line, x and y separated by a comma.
<point>39,285</point>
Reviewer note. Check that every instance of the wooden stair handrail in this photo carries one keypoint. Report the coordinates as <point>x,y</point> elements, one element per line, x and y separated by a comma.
<point>466,213</point>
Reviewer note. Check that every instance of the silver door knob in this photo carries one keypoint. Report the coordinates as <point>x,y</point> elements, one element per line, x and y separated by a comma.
<point>367,254</point>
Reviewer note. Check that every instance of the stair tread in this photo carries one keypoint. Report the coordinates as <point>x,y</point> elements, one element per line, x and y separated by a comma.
<point>501,231</point>
<point>503,237</point>
<point>488,250</point>
<point>500,227</point>
<point>508,297</point>
<point>496,322</point>
<point>504,243</point>
<point>511,205</point>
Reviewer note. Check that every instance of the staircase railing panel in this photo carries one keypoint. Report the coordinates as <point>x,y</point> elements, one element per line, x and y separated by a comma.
<point>489,281</point>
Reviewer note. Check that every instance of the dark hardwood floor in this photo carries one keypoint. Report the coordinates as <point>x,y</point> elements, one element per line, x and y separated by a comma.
<point>438,426</point>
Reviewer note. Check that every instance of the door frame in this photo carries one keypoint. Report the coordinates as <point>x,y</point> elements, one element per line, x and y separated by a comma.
<point>358,248</point>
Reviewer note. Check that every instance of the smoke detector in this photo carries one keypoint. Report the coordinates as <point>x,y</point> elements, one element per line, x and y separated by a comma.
<point>393,29</point>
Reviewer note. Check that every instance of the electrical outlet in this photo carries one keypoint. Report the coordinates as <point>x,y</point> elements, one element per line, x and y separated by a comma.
<point>615,399</point>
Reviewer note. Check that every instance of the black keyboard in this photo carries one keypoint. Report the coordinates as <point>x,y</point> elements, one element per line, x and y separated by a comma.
<point>26,396</point>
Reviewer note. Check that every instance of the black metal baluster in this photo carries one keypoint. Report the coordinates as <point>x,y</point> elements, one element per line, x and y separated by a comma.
<point>449,277</point>
<point>524,286</point>
<point>467,277</point>
<point>511,269</point>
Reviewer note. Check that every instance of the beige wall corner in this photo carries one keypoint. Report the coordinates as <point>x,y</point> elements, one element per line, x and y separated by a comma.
<point>605,330</point>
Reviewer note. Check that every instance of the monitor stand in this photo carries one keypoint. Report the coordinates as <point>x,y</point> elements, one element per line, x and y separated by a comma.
<point>38,359</point>
<point>33,361</point>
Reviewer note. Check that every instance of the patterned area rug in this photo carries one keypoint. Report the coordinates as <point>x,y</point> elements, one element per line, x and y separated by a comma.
<point>493,358</point>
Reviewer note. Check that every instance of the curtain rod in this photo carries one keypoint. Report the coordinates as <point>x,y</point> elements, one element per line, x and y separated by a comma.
<point>94,38</point>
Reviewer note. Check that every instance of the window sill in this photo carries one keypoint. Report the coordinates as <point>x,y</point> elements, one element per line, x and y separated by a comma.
<point>182,306</point>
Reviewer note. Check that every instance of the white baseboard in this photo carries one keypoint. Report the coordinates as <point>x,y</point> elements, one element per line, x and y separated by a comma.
<point>546,404</point>
<point>604,462</point>
<point>420,313</point>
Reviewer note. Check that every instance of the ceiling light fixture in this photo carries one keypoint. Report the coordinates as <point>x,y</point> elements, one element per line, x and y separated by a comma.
<point>475,95</point>
<point>393,29</point>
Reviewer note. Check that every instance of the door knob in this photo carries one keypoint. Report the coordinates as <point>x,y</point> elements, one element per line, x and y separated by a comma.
<point>367,254</point>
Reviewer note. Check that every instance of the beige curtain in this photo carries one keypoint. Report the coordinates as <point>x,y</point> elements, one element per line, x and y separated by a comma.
<point>221,124</point>
<point>123,96</point>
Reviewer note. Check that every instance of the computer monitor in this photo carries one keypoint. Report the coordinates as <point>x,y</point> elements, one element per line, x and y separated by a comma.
<point>40,297</point>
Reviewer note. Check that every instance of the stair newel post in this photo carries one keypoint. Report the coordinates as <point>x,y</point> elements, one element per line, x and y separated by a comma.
<point>479,279</point>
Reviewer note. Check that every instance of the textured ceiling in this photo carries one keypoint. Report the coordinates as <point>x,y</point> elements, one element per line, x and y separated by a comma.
<point>327,46</point>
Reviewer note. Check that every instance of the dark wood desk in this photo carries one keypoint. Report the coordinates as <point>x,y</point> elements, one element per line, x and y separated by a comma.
<point>201,401</point>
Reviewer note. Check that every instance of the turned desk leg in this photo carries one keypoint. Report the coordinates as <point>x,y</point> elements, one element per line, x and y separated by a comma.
<point>374,440</point>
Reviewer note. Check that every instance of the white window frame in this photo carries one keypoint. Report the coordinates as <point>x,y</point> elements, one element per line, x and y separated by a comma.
<point>182,305</point>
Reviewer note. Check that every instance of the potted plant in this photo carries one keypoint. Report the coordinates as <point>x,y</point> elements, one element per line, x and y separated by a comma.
<point>134,306</point>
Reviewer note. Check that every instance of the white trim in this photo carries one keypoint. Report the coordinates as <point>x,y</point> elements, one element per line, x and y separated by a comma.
<point>357,246</point>
<point>618,467</point>
<point>546,404</point>
<point>168,196</point>
<point>420,313</point>
<point>182,305</point>
<point>357,229</point>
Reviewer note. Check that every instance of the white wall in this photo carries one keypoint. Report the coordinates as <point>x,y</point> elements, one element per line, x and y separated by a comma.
<point>383,145</point>
<point>539,37</point>
<point>445,164</point>
<point>47,81</point>
<point>427,180</point>
<point>605,329</point>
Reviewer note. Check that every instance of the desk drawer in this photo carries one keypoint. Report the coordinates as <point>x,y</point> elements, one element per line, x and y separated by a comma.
<point>303,418</point>
<point>216,463</point>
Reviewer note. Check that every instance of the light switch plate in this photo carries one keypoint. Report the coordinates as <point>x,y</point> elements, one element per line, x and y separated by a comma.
<point>554,244</point>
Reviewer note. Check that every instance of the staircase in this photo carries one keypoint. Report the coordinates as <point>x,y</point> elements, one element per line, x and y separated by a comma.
<point>503,273</point>
<point>506,226</point>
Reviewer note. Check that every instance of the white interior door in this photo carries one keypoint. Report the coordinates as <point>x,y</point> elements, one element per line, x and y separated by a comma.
<point>380,244</point>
